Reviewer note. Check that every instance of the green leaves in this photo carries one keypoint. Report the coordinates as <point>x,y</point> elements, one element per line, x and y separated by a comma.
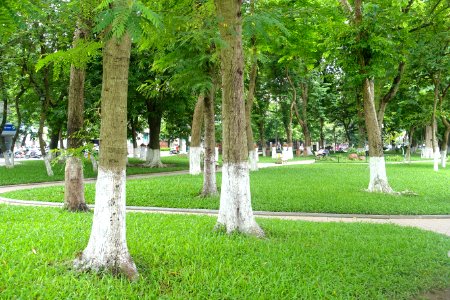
<point>118,17</point>
<point>79,56</point>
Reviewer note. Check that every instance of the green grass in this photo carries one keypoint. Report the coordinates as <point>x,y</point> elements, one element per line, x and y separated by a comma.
<point>34,170</point>
<point>332,188</point>
<point>180,257</point>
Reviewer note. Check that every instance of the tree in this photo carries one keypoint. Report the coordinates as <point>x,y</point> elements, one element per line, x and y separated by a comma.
<point>196,136</point>
<point>235,212</point>
<point>74,179</point>
<point>107,247</point>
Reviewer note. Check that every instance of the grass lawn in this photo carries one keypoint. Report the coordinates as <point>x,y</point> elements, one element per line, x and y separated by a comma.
<point>332,188</point>
<point>180,257</point>
<point>28,171</point>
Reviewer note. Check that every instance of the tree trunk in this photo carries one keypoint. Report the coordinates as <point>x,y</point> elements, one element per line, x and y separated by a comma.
<point>235,211</point>
<point>322,135</point>
<point>378,179</point>
<point>209,174</point>
<point>107,247</point>
<point>252,154</point>
<point>361,125</point>
<point>134,137</point>
<point>154,123</point>
<point>390,94</point>
<point>444,149</point>
<point>195,149</point>
<point>410,142</point>
<point>304,124</point>
<point>74,180</point>
<point>434,139</point>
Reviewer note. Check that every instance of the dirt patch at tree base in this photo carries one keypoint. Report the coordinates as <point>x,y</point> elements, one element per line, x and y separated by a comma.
<point>435,295</point>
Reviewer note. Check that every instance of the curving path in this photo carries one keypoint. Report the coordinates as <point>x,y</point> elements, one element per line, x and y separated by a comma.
<point>435,223</point>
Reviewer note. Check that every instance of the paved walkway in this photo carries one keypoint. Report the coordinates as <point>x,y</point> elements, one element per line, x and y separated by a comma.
<point>436,223</point>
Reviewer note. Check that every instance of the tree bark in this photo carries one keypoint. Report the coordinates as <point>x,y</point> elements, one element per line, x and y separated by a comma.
<point>252,153</point>
<point>195,149</point>
<point>209,174</point>
<point>107,247</point>
<point>434,140</point>
<point>154,123</point>
<point>235,211</point>
<point>378,178</point>
<point>74,180</point>
<point>390,94</point>
<point>410,142</point>
<point>133,123</point>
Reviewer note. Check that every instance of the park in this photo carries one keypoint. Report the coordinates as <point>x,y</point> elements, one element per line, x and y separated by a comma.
<point>224,149</point>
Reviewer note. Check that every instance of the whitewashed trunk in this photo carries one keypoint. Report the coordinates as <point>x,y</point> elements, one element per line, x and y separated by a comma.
<point>136,152</point>
<point>13,163</point>
<point>264,151</point>
<point>194,160</point>
<point>378,178</point>
<point>155,159</point>
<point>94,163</point>
<point>290,153</point>
<point>427,152</point>
<point>309,151</point>
<point>436,155</point>
<point>274,153</point>
<point>107,247</point>
<point>256,154</point>
<point>142,154</point>
<point>8,163</point>
<point>48,165</point>
<point>235,213</point>
<point>253,164</point>
<point>443,159</point>
<point>216,152</point>
<point>183,146</point>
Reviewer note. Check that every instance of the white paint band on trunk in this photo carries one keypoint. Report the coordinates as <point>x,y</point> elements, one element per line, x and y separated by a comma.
<point>194,160</point>
<point>235,212</point>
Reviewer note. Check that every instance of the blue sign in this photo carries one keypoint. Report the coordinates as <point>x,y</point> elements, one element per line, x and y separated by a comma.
<point>9,127</point>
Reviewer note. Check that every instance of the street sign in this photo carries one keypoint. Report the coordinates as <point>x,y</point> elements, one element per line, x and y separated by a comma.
<point>8,130</point>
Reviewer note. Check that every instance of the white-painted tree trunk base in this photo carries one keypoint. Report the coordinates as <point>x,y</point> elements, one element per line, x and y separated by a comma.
<point>427,152</point>
<point>107,246</point>
<point>436,156</point>
<point>142,154</point>
<point>155,159</point>
<point>378,178</point>
<point>264,149</point>
<point>309,151</point>
<point>194,160</point>
<point>443,159</point>
<point>48,165</point>
<point>149,156</point>
<point>235,212</point>
<point>8,163</point>
<point>253,164</point>
<point>136,152</point>
<point>289,153</point>
<point>274,153</point>
<point>256,154</point>
<point>94,163</point>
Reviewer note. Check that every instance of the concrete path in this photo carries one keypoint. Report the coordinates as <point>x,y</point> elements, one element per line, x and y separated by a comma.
<point>435,223</point>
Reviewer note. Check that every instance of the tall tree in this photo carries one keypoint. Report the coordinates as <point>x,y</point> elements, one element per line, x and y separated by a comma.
<point>235,212</point>
<point>74,179</point>
<point>107,247</point>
